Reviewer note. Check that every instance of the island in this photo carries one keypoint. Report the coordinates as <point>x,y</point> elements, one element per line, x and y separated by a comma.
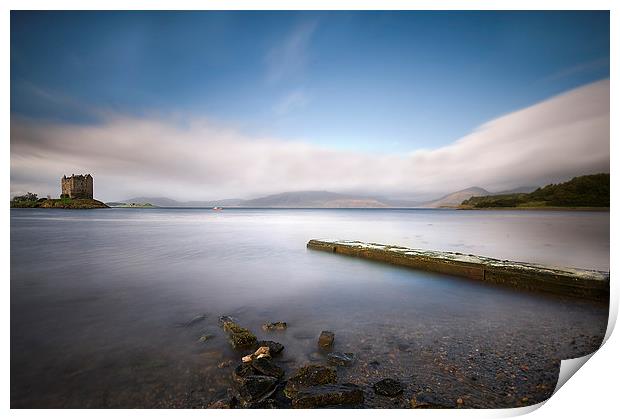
<point>30,200</point>
<point>590,192</point>
<point>76,193</point>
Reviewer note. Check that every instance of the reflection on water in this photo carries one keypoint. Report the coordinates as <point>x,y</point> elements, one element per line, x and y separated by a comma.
<point>97,296</point>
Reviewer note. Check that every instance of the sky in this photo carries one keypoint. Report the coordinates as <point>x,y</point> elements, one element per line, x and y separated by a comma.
<point>211,105</point>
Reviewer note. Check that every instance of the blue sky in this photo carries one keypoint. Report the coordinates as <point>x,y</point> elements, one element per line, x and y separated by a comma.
<point>378,81</point>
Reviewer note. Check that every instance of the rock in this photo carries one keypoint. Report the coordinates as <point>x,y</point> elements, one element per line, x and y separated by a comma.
<point>255,389</point>
<point>224,364</point>
<point>242,371</point>
<point>196,319</point>
<point>274,326</point>
<point>425,401</point>
<point>205,338</point>
<point>326,339</point>
<point>265,366</point>
<point>274,347</point>
<point>388,387</point>
<point>242,340</point>
<point>308,376</point>
<point>328,395</point>
<point>239,337</point>
<point>219,404</point>
<point>226,319</point>
<point>341,359</point>
<point>261,352</point>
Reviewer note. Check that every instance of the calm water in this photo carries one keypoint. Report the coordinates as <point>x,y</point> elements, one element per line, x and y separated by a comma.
<point>97,297</point>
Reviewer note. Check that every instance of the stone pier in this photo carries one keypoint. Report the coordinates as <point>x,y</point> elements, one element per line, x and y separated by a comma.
<point>581,283</point>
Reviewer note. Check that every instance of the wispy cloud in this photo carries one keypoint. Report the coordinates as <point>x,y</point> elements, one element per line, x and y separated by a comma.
<point>556,139</point>
<point>290,55</point>
<point>578,69</point>
<point>293,100</point>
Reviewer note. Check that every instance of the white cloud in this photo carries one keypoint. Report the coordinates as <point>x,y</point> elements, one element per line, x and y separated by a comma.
<point>554,140</point>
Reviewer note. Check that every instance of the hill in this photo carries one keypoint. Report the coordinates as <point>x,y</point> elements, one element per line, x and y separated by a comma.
<point>314,199</point>
<point>454,199</point>
<point>579,192</point>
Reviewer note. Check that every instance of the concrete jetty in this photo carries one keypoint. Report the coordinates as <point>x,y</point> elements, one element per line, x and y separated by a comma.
<point>581,283</point>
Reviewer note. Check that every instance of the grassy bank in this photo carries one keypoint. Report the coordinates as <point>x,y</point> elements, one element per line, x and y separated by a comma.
<point>65,203</point>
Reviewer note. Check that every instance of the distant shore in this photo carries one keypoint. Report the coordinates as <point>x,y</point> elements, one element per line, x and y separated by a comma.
<point>595,209</point>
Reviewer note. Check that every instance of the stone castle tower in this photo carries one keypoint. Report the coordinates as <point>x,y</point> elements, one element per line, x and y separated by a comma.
<point>77,186</point>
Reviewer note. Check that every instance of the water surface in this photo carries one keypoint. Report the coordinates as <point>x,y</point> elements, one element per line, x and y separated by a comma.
<point>97,298</point>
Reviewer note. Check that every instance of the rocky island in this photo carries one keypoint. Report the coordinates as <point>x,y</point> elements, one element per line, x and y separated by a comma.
<point>76,193</point>
<point>64,203</point>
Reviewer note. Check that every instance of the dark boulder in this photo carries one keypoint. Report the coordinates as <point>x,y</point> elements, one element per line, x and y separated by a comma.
<point>388,387</point>
<point>328,395</point>
<point>308,376</point>
<point>274,347</point>
<point>341,359</point>
<point>326,339</point>
<point>265,366</point>
<point>242,371</point>
<point>255,389</point>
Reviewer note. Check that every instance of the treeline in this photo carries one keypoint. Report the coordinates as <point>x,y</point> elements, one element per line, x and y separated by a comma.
<point>581,191</point>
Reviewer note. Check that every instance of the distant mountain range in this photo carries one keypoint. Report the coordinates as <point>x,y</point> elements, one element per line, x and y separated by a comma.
<point>325,199</point>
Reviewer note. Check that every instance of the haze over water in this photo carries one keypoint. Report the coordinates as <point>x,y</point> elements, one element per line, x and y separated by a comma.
<point>97,297</point>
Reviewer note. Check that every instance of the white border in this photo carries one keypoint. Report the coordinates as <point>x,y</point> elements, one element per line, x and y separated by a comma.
<point>591,394</point>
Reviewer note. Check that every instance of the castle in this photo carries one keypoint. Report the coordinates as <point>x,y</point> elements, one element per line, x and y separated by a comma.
<point>77,186</point>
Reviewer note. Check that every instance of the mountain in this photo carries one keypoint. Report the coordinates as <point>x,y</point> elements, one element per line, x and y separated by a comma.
<point>314,199</point>
<point>454,199</point>
<point>580,191</point>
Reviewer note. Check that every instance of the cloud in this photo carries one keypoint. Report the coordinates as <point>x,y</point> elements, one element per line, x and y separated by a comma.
<point>289,57</point>
<point>564,136</point>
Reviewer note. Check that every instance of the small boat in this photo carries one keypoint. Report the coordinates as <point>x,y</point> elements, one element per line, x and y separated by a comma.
<point>217,208</point>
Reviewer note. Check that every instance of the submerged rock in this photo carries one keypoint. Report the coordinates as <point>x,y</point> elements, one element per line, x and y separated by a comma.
<point>308,376</point>
<point>341,359</point>
<point>224,364</point>
<point>261,352</point>
<point>388,387</point>
<point>425,401</point>
<point>274,326</point>
<point>328,395</point>
<point>226,319</point>
<point>196,319</point>
<point>265,366</point>
<point>227,403</point>
<point>274,347</point>
<point>326,339</point>
<point>255,389</point>
<point>205,338</point>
